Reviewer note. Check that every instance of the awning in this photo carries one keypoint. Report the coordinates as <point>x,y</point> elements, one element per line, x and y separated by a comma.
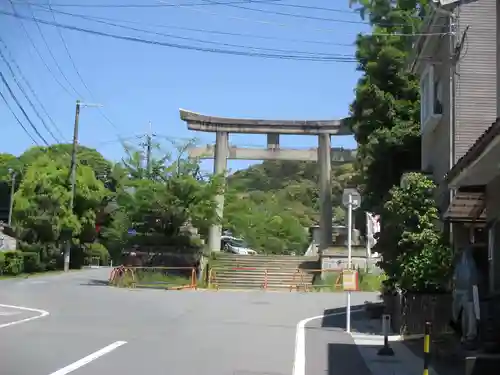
<point>466,207</point>
<point>480,162</point>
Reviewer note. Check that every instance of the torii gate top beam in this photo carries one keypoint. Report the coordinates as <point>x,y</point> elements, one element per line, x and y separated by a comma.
<point>198,122</point>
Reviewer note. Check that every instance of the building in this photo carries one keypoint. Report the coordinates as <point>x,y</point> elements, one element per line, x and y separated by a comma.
<point>455,59</point>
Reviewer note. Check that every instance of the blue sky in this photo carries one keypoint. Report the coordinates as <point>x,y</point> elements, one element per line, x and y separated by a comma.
<point>137,83</point>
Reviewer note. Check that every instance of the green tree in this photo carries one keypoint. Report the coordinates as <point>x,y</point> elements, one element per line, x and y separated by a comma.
<point>62,152</point>
<point>415,254</point>
<point>265,223</point>
<point>41,204</point>
<point>159,202</point>
<point>385,115</point>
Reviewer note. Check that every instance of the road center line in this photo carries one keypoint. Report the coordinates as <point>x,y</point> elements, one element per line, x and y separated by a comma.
<point>91,357</point>
<point>299,363</point>
<point>41,313</point>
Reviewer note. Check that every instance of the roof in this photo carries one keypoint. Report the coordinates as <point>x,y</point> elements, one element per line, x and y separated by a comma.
<point>467,207</point>
<point>473,153</point>
<point>197,121</point>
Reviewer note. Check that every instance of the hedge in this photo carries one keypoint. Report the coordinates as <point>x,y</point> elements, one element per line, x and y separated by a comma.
<point>32,262</point>
<point>13,263</point>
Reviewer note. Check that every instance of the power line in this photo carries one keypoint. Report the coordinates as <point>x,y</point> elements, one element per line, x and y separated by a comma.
<point>33,44</point>
<point>202,40</point>
<point>27,97</point>
<point>17,119</point>
<point>52,55</point>
<point>303,16</point>
<point>21,108</point>
<point>189,47</point>
<point>209,31</point>
<point>66,48</point>
<point>263,22</point>
<point>85,5</point>
<point>13,61</point>
<point>76,69</point>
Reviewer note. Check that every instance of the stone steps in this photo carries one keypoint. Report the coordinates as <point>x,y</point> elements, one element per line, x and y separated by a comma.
<point>231,271</point>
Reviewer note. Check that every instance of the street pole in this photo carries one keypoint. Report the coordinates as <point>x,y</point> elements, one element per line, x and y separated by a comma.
<point>349,260</point>
<point>368,236</point>
<point>67,250</point>
<point>12,191</point>
<point>148,151</point>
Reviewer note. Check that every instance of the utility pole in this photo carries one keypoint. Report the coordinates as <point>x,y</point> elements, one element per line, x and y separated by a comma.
<point>149,150</point>
<point>67,250</point>
<point>12,191</point>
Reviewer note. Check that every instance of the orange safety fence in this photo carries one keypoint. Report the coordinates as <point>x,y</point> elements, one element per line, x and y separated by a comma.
<point>213,282</point>
<point>171,278</point>
<point>297,284</point>
<point>302,280</point>
<point>324,278</point>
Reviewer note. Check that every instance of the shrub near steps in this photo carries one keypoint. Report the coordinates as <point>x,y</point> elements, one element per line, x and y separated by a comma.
<point>232,271</point>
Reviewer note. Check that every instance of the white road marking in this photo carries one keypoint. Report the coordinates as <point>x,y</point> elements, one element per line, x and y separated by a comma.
<point>42,313</point>
<point>299,363</point>
<point>9,313</point>
<point>91,357</point>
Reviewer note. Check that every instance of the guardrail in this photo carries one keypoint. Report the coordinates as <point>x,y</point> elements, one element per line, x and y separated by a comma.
<point>172,278</point>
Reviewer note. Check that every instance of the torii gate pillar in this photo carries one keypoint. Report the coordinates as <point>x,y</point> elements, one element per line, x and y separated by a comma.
<point>325,191</point>
<point>220,168</point>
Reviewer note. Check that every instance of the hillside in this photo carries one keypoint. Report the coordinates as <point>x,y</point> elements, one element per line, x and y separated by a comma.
<point>270,203</point>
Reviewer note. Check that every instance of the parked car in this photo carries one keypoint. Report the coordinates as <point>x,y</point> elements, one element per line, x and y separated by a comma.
<point>235,245</point>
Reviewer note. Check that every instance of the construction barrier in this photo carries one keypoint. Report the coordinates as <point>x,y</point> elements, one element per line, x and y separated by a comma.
<point>170,278</point>
<point>214,284</point>
<point>298,284</point>
<point>300,280</point>
<point>326,278</point>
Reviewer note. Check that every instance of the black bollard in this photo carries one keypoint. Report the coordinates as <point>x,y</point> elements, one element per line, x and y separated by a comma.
<point>386,350</point>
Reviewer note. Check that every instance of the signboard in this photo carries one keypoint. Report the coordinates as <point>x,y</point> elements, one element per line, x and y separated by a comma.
<point>131,232</point>
<point>355,198</point>
<point>350,280</point>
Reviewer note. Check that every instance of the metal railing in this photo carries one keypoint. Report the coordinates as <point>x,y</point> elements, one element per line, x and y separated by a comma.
<point>173,278</point>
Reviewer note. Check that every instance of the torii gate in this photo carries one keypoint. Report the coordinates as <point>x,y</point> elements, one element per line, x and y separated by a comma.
<point>222,151</point>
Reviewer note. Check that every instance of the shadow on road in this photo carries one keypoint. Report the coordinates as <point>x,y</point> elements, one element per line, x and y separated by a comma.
<point>95,282</point>
<point>335,318</point>
<point>344,358</point>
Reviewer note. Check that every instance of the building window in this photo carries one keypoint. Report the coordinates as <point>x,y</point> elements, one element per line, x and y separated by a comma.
<point>431,98</point>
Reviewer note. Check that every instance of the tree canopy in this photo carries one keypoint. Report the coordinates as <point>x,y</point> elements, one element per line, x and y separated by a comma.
<point>149,204</point>
<point>385,114</point>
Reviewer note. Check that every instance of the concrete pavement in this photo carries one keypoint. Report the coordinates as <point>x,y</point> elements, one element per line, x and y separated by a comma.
<point>96,330</point>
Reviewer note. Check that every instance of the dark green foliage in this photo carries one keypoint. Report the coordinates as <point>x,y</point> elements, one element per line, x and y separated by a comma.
<point>12,263</point>
<point>32,262</point>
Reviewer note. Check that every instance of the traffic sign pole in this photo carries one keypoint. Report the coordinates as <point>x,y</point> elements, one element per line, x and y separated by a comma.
<point>349,260</point>
<point>351,200</point>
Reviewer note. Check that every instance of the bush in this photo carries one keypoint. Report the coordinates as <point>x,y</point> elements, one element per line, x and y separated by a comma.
<point>96,250</point>
<point>415,254</point>
<point>32,262</point>
<point>13,263</point>
<point>2,262</point>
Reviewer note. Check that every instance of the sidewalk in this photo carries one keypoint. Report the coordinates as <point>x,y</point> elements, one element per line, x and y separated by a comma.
<point>367,335</point>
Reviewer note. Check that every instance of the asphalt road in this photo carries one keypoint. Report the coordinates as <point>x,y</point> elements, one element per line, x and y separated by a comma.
<point>97,330</point>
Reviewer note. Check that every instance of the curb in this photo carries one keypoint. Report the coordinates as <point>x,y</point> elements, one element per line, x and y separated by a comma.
<point>392,338</point>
